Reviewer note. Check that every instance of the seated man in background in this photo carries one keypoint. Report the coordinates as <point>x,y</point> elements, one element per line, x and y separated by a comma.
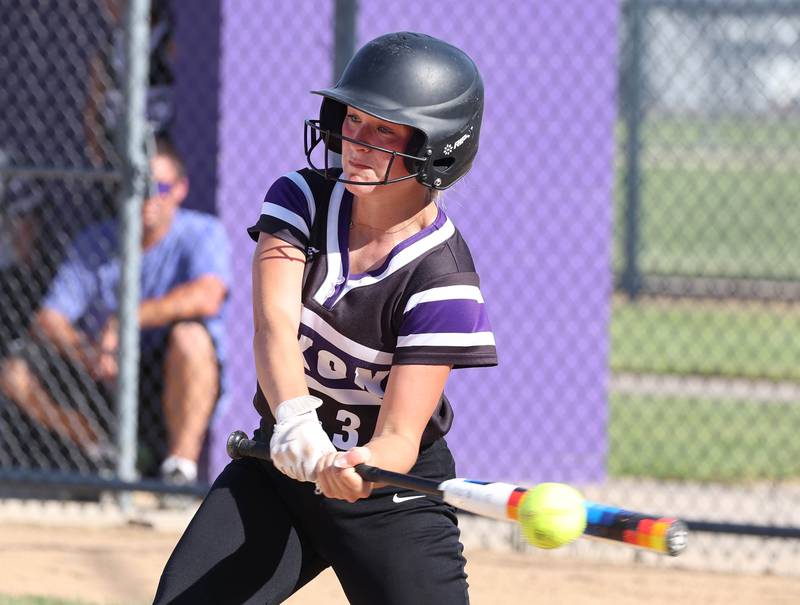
<point>184,286</point>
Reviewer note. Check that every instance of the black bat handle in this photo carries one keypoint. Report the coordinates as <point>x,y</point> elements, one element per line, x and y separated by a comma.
<point>417,484</point>
<point>239,446</point>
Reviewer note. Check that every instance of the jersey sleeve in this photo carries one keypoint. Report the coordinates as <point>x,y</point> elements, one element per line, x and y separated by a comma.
<point>445,322</point>
<point>287,212</point>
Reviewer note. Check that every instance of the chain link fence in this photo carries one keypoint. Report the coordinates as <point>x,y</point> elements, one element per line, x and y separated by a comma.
<point>631,214</point>
<point>704,393</point>
<point>62,178</point>
<point>54,185</point>
<point>710,107</point>
<point>706,234</point>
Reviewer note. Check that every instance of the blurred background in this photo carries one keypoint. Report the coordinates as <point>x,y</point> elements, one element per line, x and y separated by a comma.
<point>632,213</point>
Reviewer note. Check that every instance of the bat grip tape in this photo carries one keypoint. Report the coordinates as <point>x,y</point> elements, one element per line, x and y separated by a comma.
<point>240,446</point>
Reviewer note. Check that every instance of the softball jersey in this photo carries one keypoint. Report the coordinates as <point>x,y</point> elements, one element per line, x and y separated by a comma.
<point>423,305</point>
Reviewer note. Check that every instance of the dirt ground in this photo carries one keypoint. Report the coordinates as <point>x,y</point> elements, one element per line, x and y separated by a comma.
<point>116,565</point>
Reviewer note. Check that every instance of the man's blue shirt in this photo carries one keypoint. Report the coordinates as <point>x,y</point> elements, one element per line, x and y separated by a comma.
<point>86,286</point>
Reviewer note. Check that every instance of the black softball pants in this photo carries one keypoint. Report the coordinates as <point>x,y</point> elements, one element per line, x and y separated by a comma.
<point>259,536</point>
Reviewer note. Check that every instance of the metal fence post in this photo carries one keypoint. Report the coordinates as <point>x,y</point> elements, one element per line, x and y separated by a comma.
<point>631,92</point>
<point>344,34</point>
<point>134,189</point>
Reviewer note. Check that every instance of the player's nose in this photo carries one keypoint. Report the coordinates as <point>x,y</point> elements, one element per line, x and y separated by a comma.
<point>364,136</point>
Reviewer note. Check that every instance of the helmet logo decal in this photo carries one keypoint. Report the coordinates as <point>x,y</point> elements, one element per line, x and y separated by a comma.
<point>448,149</point>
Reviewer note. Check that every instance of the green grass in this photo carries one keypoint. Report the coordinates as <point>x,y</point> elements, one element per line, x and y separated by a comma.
<point>717,198</point>
<point>702,132</point>
<point>723,222</point>
<point>703,440</point>
<point>719,339</point>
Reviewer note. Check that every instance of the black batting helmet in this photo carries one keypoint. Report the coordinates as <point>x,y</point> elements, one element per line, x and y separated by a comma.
<point>415,80</point>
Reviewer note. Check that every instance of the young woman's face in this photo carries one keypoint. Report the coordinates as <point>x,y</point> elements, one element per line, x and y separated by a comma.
<point>361,163</point>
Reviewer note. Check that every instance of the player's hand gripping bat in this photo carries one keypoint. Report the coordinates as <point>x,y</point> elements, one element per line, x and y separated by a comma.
<point>500,501</point>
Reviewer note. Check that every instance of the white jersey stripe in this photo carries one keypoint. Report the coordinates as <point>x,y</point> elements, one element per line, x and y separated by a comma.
<point>301,183</point>
<point>444,293</point>
<point>311,320</point>
<point>333,254</point>
<point>345,396</point>
<point>404,257</point>
<point>454,339</point>
<point>287,216</point>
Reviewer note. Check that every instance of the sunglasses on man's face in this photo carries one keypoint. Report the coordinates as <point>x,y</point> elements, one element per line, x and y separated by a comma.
<point>162,187</point>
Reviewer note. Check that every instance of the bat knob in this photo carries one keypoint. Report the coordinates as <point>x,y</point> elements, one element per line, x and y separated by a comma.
<point>233,444</point>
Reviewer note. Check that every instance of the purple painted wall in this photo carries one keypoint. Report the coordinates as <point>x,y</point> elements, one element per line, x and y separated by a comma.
<point>271,58</point>
<point>536,209</point>
<point>197,90</point>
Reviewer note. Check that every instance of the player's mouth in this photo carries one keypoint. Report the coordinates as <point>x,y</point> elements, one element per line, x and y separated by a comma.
<point>360,166</point>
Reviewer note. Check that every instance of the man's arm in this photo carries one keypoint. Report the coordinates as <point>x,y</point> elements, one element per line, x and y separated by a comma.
<point>58,330</point>
<point>201,297</point>
<point>97,358</point>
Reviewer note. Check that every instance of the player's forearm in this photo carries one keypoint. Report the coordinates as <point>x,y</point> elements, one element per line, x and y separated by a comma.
<point>200,298</point>
<point>279,364</point>
<point>394,451</point>
<point>412,394</point>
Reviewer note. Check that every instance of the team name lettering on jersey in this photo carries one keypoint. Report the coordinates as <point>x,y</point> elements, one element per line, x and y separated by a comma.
<point>339,367</point>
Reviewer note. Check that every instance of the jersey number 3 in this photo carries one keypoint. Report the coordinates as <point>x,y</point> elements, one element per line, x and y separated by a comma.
<point>350,423</point>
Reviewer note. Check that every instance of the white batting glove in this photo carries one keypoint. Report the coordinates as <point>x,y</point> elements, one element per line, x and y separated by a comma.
<point>298,440</point>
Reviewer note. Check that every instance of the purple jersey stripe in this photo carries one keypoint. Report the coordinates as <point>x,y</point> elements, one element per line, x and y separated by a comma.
<point>288,195</point>
<point>446,316</point>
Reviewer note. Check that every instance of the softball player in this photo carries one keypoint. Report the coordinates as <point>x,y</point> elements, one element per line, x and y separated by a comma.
<point>365,296</point>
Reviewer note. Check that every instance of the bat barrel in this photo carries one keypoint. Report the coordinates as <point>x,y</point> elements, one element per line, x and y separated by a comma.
<point>662,534</point>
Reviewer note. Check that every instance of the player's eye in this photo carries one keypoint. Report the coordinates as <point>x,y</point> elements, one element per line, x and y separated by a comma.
<point>385,130</point>
<point>353,117</point>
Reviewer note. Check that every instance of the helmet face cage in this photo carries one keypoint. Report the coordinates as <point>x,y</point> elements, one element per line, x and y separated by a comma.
<point>314,134</point>
<point>417,81</point>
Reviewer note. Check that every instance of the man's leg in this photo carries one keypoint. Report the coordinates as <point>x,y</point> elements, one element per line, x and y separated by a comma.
<point>20,385</point>
<point>191,388</point>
